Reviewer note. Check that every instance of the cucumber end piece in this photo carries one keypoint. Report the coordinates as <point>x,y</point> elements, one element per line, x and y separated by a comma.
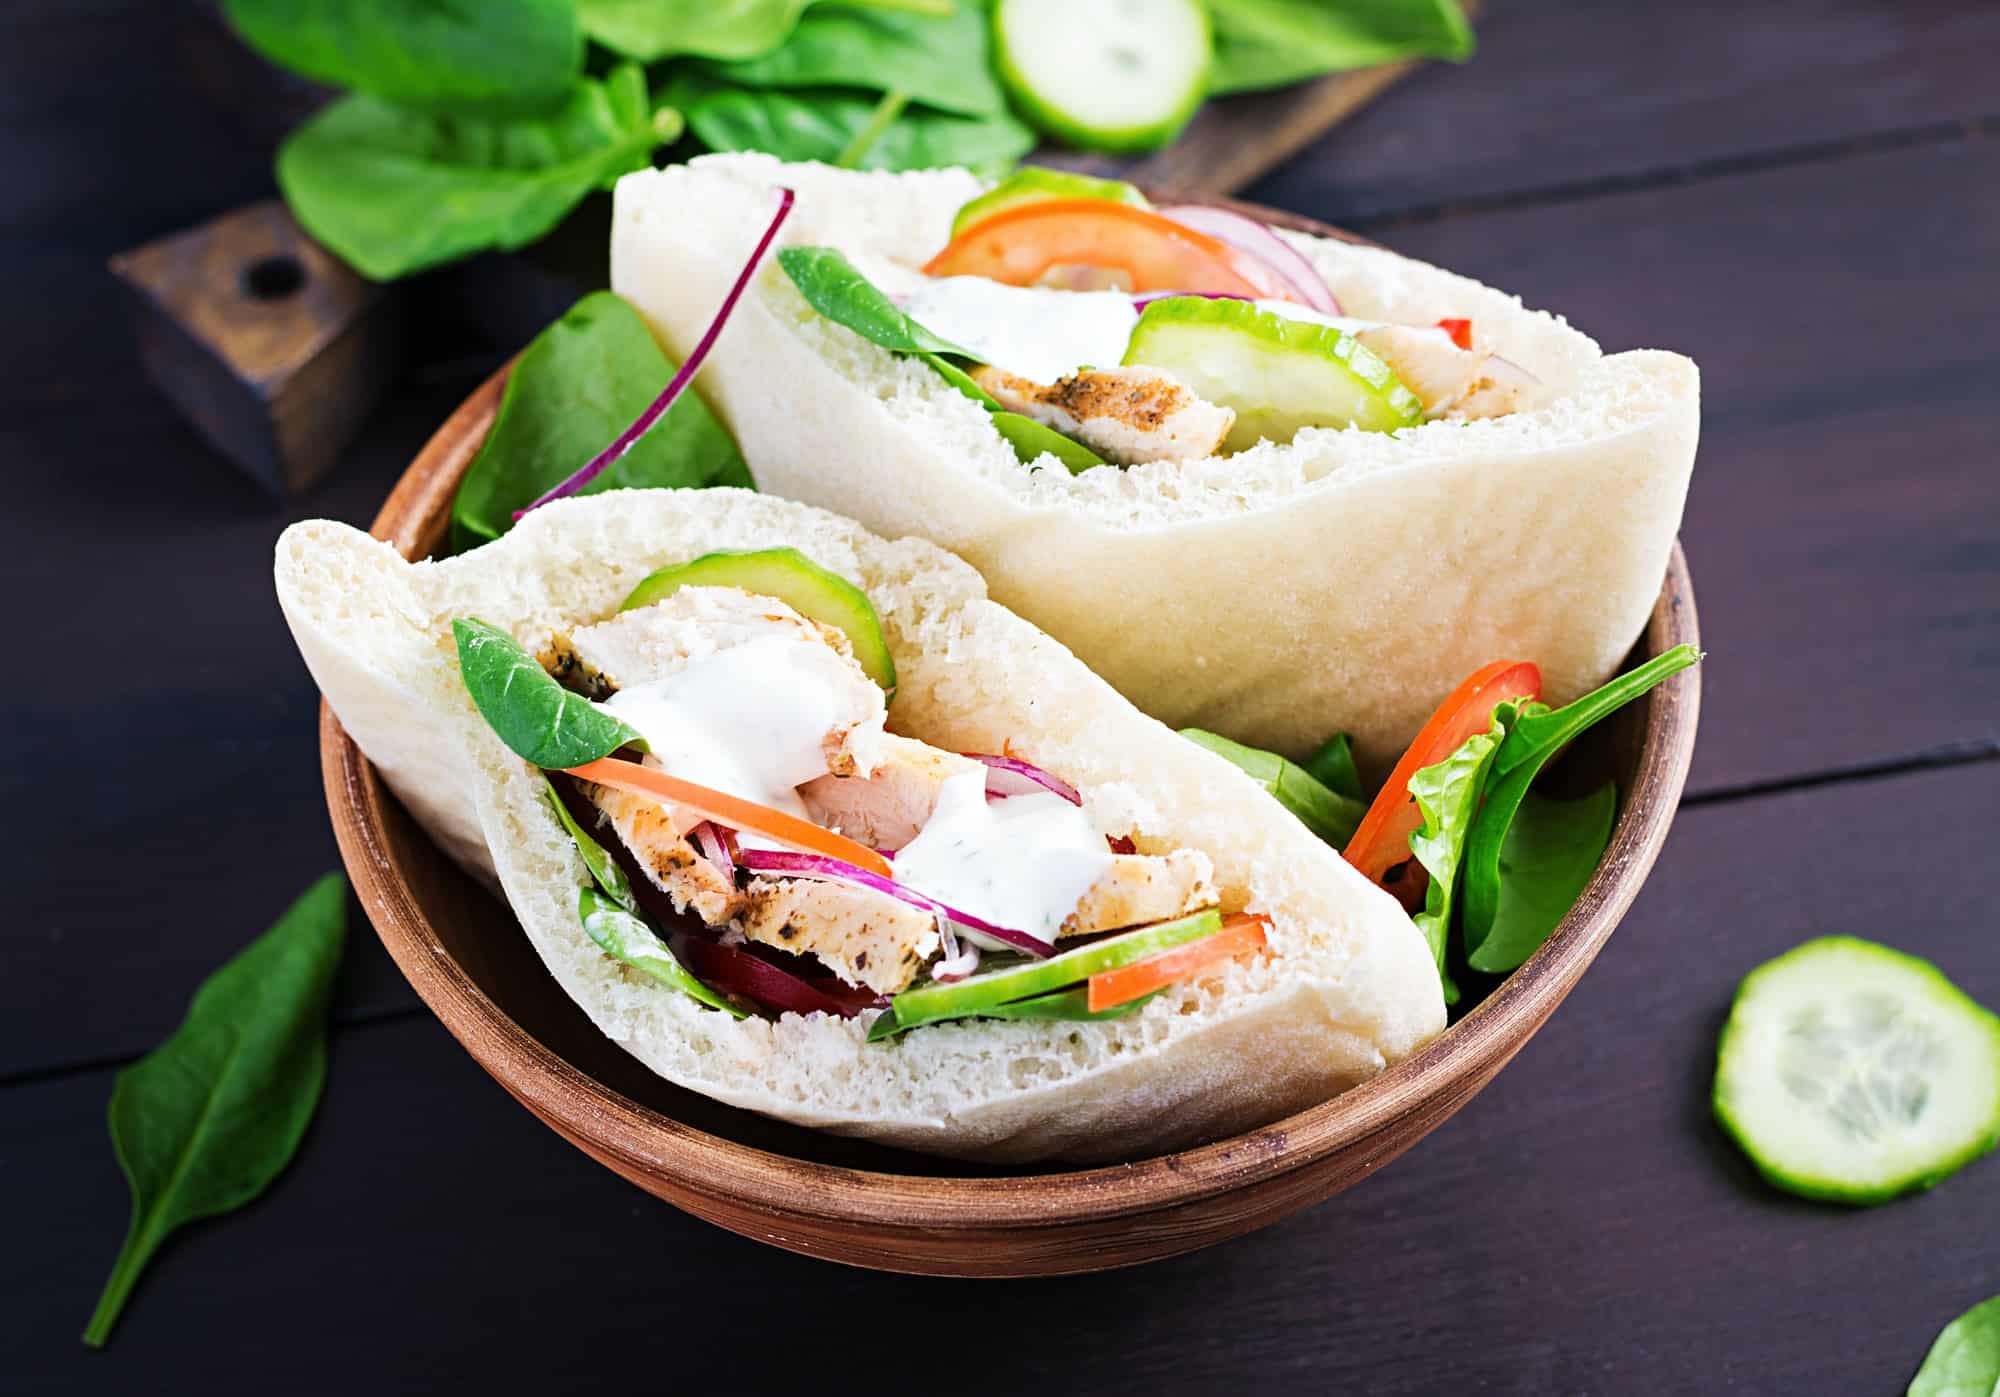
<point>1088,47</point>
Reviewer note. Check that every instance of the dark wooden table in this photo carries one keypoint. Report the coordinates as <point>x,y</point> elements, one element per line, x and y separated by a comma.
<point>1803,196</point>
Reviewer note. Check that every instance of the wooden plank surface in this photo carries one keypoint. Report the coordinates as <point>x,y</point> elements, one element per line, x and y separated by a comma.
<point>1564,96</point>
<point>1580,1227</point>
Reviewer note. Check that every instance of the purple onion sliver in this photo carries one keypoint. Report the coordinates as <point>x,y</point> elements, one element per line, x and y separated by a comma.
<point>1249,236</point>
<point>715,849</point>
<point>1140,302</point>
<point>791,865</point>
<point>683,376</point>
<point>1010,776</point>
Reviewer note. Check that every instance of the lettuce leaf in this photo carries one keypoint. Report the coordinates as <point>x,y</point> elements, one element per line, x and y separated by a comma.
<point>1447,795</point>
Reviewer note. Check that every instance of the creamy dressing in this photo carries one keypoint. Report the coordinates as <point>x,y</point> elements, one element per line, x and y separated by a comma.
<point>751,720</point>
<point>1032,331</point>
<point>1022,863</point>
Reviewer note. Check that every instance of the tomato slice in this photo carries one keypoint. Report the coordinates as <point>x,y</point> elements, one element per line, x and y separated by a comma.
<point>1459,330</point>
<point>1022,245</point>
<point>789,830</point>
<point>1382,840</point>
<point>1241,935</point>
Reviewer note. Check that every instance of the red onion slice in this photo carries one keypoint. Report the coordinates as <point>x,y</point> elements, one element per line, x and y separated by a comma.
<point>1253,239</point>
<point>1139,303</point>
<point>786,864</point>
<point>715,848</point>
<point>683,376</point>
<point>1010,776</point>
<point>954,962</point>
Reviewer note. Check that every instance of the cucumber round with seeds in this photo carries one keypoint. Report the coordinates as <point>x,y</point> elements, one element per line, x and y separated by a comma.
<point>1109,75</point>
<point>1852,1072</point>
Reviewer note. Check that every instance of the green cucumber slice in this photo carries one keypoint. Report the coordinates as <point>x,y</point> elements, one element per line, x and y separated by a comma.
<point>630,940</point>
<point>1851,1072</point>
<point>1064,1006</point>
<point>796,580</point>
<point>1098,75</point>
<point>1032,184</point>
<point>1279,374</point>
<point>1331,816</point>
<point>932,1002</point>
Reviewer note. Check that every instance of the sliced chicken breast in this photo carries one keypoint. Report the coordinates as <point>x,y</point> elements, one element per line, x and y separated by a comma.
<point>865,937</point>
<point>673,865</point>
<point>1142,888</point>
<point>1126,415</point>
<point>1453,382</point>
<point>885,809</point>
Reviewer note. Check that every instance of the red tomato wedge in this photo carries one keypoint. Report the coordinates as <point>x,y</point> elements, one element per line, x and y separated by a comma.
<point>789,830</point>
<point>1020,245</point>
<point>1241,935</point>
<point>1382,840</point>
<point>1459,330</point>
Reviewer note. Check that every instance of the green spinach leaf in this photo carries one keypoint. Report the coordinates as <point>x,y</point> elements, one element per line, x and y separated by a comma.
<point>1447,796</point>
<point>1965,1359</point>
<point>1268,43</point>
<point>204,1122</point>
<point>650,30</point>
<point>541,722</point>
<point>835,288</point>
<point>393,191</point>
<point>576,387</point>
<point>1032,440</point>
<point>419,52</point>
<point>625,936</point>
<point>1326,813</point>
<point>962,381</point>
<point>1333,767</point>
<point>940,61</point>
<point>610,877</point>
<point>1536,735</point>
<point>822,124</point>
<point>1552,848</point>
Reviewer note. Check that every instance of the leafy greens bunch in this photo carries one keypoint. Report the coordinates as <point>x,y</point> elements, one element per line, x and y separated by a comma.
<point>472,127</point>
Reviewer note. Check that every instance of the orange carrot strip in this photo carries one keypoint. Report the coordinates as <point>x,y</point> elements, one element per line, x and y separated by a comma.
<point>1241,935</point>
<point>737,813</point>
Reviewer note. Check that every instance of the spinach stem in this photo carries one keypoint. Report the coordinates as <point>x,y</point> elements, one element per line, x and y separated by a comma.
<point>140,1244</point>
<point>879,121</point>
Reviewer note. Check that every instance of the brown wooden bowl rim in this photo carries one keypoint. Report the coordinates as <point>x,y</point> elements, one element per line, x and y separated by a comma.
<point>697,1162</point>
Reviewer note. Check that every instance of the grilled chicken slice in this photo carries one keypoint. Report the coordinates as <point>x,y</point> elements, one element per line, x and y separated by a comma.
<point>675,867</point>
<point>887,808</point>
<point>865,937</point>
<point>1126,415</point>
<point>1142,888</point>
<point>1453,382</point>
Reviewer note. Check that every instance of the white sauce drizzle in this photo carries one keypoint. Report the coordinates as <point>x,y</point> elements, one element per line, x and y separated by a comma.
<point>1022,863</point>
<point>1033,331</point>
<point>751,720</point>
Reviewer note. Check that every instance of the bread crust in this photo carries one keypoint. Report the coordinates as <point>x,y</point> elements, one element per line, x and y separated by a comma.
<point>1348,990</point>
<point>1345,582</point>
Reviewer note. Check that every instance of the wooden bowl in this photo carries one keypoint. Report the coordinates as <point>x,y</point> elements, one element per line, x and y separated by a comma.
<point>869,1205</point>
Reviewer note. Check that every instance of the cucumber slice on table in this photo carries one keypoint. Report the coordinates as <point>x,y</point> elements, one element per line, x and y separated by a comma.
<point>1032,184</point>
<point>1852,1072</point>
<point>794,579</point>
<point>1278,373</point>
<point>1111,75</point>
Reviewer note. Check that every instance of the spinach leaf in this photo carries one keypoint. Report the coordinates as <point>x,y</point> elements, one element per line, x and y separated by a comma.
<point>1331,816</point>
<point>650,30</point>
<point>1552,848</point>
<point>835,288</point>
<point>1536,735</point>
<point>1032,440</point>
<point>1965,1359</point>
<point>626,937</point>
<point>1447,796</point>
<point>610,877</point>
<point>577,386</point>
<point>1268,43</point>
<point>502,52</point>
<point>940,61</point>
<point>822,123</point>
<point>204,1122</point>
<point>962,381</point>
<point>541,722</point>
<point>393,191</point>
<point>1333,767</point>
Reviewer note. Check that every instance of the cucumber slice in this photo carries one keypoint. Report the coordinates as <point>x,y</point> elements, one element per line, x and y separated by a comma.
<point>1279,374</point>
<point>1110,75</point>
<point>1851,1072</point>
<point>1031,184</point>
<point>1065,1006</point>
<point>932,1002</point>
<point>796,580</point>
